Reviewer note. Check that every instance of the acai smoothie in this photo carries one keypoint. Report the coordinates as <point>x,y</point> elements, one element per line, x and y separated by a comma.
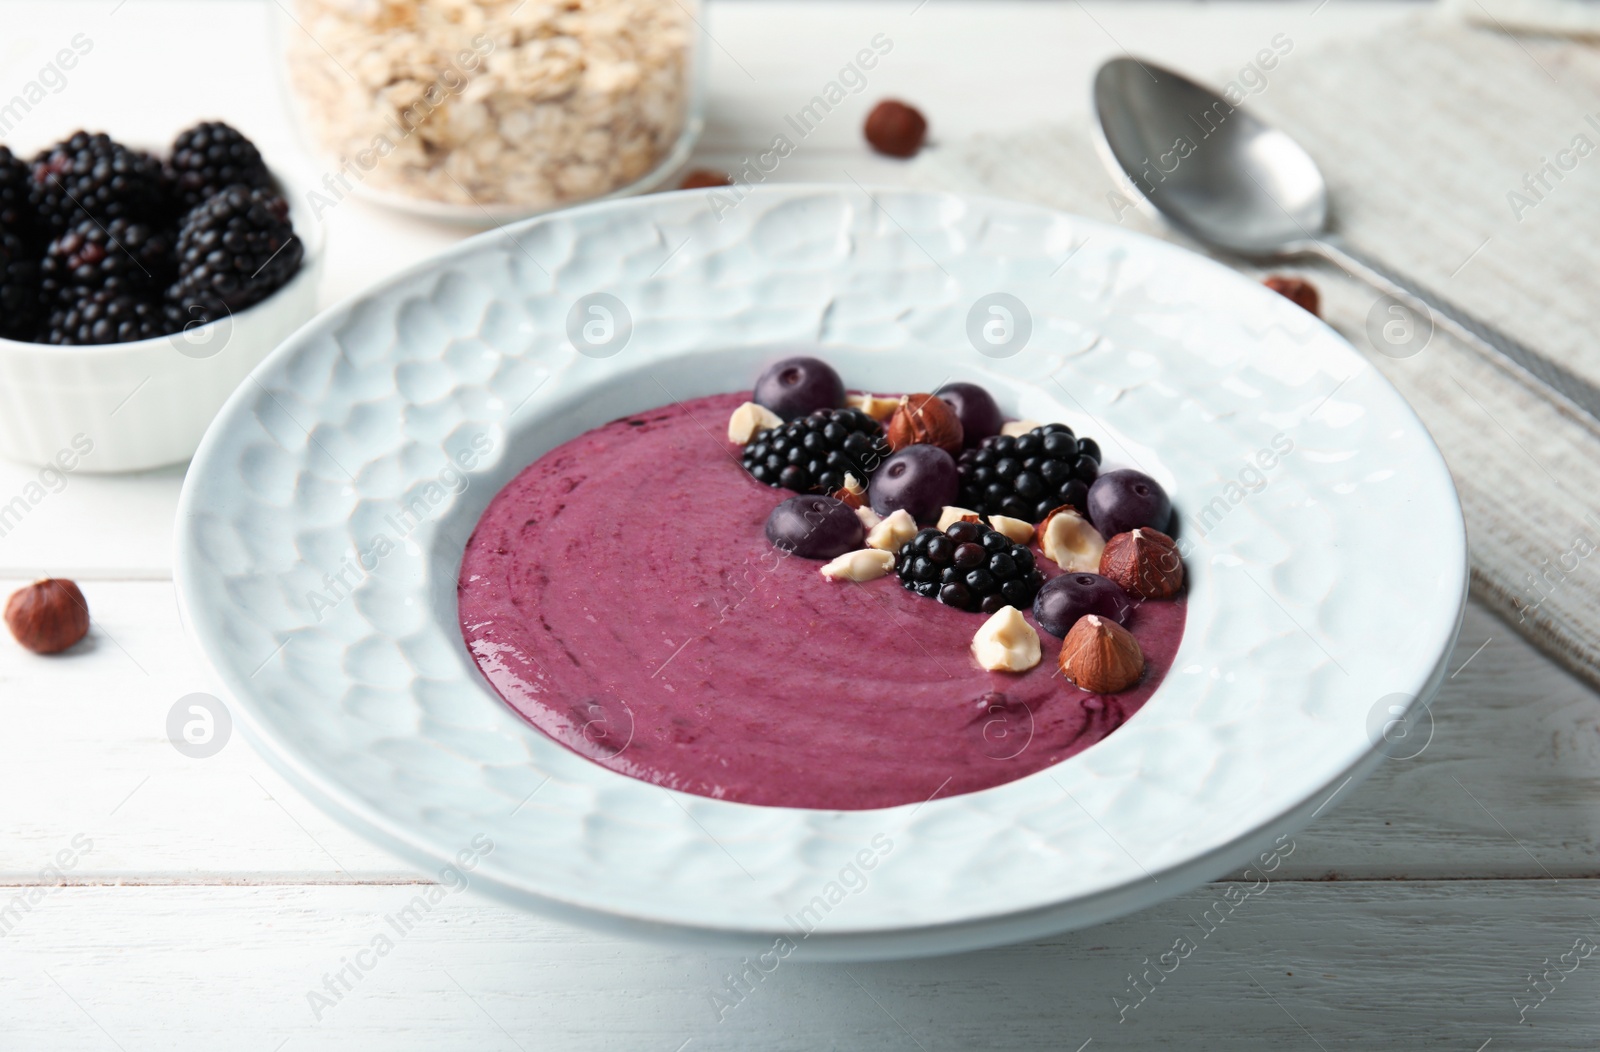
<point>655,597</point>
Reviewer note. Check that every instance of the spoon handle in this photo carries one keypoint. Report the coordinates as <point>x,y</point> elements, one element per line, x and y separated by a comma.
<point>1574,394</point>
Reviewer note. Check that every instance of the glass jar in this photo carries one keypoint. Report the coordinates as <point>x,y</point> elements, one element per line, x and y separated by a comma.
<point>490,110</point>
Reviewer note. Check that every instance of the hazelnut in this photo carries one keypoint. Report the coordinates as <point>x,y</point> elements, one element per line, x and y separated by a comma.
<point>949,516</point>
<point>1017,428</point>
<point>867,564</point>
<point>701,178</point>
<point>1070,541</point>
<point>895,129</point>
<point>1006,642</point>
<point>748,421</point>
<point>1017,531</point>
<point>1101,656</point>
<point>1301,291</point>
<point>48,616</point>
<point>922,419</point>
<point>891,534</point>
<point>1144,562</point>
<point>875,406</point>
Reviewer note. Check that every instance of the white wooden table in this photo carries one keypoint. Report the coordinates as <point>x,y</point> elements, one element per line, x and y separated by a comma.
<point>1428,908</point>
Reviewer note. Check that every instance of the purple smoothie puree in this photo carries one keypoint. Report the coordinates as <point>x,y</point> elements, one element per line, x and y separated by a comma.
<point>621,595</point>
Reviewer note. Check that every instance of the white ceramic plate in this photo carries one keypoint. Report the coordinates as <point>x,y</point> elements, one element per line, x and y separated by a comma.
<point>1326,588</point>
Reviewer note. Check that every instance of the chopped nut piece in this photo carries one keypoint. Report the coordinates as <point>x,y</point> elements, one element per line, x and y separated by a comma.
<point>868,517</point>
<point>1070,541</point>
<point>701,178</point>
<point>749,420</point>
<point>1006,642</point>
<point>879,409</point>
<point>891,534</point>
<point>949,516</point>
<point>853,492</point>
<point>1017,531</point>
<point>868,564</point>
<point>1016,428</point>
<point>1299,290</point>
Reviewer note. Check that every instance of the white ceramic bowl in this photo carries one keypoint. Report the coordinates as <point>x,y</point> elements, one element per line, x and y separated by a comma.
<point>1326,583</point>
<point>145,404</point>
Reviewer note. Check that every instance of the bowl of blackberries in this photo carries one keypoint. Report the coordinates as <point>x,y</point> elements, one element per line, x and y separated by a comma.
<point>138,289</point>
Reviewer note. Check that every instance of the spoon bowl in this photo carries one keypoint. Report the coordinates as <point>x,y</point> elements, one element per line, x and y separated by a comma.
<point>1229,180</point>
<point>1211,169</point>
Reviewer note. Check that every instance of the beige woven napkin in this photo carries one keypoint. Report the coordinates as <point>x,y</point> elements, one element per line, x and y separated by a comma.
<point>1468,160</point>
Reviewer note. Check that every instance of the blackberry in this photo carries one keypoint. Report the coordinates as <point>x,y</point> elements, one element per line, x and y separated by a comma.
<point>970,567</point>
<point>108,316</point>
<point>211,157</point>
<point>1031,475</point>
<point>93,174</point>
<point>235,250</point>
<point>19,288</point>
<point>16,215</point>
<point>119,257</point>
<point>813,454</point>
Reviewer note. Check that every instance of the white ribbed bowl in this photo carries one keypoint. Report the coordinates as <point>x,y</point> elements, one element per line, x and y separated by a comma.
<point>146,404</point>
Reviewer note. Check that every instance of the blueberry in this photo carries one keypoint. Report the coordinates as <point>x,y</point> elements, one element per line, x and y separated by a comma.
<point>1070,596</point>
<point>975,408</point>
<point>1121,500</point>
<point>797,386</point>
<point>815,527</point>
<point>920,479</point>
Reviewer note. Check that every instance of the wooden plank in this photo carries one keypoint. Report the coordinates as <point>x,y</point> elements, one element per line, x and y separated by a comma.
<point>1505,788</point>
<point>1292,966</point>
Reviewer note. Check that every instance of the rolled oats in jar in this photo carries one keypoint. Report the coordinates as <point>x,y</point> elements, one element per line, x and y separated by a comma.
<point>495,107</point>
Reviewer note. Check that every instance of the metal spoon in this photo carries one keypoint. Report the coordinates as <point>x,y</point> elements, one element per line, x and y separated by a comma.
<point>1247,188</point>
